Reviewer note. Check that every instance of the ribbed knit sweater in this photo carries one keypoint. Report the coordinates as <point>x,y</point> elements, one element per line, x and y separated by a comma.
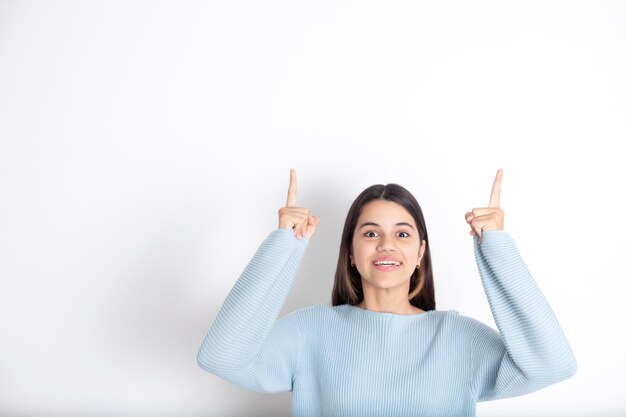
<point>345,361</point>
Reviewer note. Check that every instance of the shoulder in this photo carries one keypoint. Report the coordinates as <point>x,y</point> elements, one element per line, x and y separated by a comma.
<point>308,314</point>
<point>468,326</point>
<point>467,321</point>
<point>481,333</point>
<point>321,314</point>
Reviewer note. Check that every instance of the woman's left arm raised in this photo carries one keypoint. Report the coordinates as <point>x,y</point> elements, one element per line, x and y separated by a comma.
<point>530,351</point>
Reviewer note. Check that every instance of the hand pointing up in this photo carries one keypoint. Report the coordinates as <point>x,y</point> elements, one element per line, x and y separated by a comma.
<point>488,218</point>
<point>296,218</point>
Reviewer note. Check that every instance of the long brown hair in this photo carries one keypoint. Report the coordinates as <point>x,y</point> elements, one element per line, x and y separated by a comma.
<point>348,288</point>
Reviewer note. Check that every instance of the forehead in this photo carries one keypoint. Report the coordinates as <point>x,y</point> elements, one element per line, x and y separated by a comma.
<point>384,213</point>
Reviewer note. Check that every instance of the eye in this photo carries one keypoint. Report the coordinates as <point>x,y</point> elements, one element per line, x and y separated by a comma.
<point>405,233</point>
<point>370,234</point>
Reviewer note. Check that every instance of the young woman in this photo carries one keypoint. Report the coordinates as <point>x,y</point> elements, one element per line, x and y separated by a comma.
<point>382,349</point>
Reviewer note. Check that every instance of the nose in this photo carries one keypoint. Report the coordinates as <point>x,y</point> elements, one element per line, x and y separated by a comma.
<point>386,243</point>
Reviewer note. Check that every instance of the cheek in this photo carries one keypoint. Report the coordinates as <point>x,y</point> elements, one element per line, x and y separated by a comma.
<point>360,252</point>
<point>411,252</point>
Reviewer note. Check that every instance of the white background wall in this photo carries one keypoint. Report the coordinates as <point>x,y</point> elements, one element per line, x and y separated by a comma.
<point>145,150</point>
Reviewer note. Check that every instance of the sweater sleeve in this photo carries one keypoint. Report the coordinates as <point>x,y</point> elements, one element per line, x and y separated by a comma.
<point>531,351</point>
<point>246,344</point>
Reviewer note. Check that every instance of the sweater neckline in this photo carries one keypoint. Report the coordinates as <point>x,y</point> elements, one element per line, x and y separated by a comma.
<point>362,311</point>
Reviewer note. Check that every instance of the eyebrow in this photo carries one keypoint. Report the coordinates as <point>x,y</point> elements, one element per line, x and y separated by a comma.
<point>377,225</point>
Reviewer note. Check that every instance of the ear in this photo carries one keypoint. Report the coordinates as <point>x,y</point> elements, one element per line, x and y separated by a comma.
<point>421,252</point>
<point>351,259</point>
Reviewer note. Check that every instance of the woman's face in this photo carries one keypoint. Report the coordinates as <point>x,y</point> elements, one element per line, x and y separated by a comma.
<point>386,245</point>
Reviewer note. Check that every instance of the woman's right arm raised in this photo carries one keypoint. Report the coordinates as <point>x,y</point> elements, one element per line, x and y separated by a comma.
<point>246,344</point>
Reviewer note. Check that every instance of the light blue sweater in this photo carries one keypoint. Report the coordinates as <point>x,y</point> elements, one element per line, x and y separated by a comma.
<point>344,361</point>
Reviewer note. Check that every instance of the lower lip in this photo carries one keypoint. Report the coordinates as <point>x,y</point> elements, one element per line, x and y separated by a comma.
<point>386,268</point>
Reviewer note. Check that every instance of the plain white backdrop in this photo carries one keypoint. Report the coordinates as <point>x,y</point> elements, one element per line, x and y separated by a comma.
<point>145,149</point>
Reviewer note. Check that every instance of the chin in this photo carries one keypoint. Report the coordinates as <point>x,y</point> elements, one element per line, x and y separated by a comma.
<point>386,282</point>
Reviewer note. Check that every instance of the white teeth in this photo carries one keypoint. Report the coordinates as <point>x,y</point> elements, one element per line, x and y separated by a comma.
<point>387,263</point>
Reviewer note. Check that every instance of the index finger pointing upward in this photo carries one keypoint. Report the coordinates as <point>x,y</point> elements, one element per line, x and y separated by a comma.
<point>494,201</point>
<point>293,188</point>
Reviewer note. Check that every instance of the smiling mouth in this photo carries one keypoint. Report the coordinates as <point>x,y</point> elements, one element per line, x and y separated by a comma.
<point>387,263</point>
<point>387,266</point>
